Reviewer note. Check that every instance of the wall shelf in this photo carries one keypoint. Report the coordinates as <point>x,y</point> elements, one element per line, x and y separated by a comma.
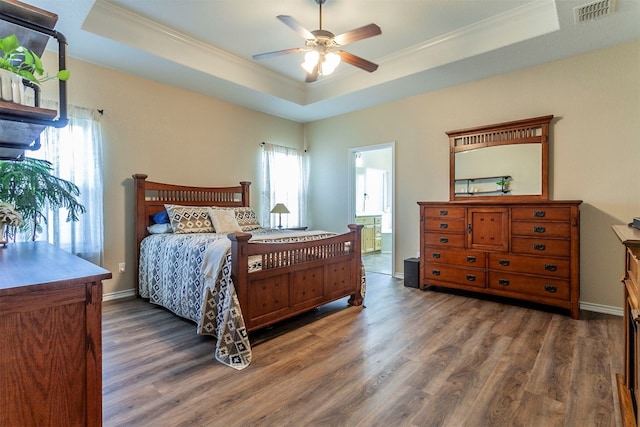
<point>483,185</point>
<point>21,125</point>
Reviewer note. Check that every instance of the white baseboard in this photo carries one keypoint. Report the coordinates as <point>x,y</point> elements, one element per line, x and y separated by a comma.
<point>119,294</point>
<point>599,308</point>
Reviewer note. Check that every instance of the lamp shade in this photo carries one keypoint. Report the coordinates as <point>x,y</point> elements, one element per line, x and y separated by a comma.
<point>279,208</point>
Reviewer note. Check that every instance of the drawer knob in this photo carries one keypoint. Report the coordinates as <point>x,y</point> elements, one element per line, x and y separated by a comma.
<point>504,262</point>
<point>471,277</point>
<point>444,212</point>
<point>539,247</point>
<point>539,229</point>
<point>471,258</point>
<point>503,282</point>
<point>550,267</point>
<point>435,272</point>
<point>539,214</point>
<point>444,225</point>
<point>443,240</point>
<point>550,288</point>
<point>435,255</point>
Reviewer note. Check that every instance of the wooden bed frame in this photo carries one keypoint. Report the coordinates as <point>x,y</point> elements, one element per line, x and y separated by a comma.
<point>295,277</point>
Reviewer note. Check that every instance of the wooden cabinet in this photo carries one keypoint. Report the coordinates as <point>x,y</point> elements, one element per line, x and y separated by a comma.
<point>629,382</point>
<point>371,233</point>
<point>523,250</point>
<point>50,337</point>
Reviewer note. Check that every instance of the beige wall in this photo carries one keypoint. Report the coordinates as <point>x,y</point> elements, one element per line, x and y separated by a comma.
<point>179,136</point>
<point>171,135</point>
<point>595,150</point>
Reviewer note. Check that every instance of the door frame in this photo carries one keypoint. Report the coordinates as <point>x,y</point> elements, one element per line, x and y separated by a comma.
<point>352,190</point>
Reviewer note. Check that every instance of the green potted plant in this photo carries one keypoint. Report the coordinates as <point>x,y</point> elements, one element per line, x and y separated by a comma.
<point>17,63</point>
<point>24,62</point>
<point>503,184</point>
<point>30,188</point>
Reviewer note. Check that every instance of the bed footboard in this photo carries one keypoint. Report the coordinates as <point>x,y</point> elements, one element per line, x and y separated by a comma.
<point>295,277</point>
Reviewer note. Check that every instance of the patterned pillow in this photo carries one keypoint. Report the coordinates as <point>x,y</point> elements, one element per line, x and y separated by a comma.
<point>189,219</point>
<point>245,216</point>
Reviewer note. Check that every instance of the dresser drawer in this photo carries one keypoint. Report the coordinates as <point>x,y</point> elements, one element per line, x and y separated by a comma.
<point>461,258</point>
<point>541,229</point>
<point>542,247</point>
<point>529,285</point>
<point>552,267</point>
<point>633,265</point>
<point>444,240</point>
<point>444,211</point>
<point>437,272</point>
<point>445,224</point>
<point>542,213</point>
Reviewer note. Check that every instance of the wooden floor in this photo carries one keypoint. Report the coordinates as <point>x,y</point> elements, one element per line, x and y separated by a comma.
<point>410,358</point>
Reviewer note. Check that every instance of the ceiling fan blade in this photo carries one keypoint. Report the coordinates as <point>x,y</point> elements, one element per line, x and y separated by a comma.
<point>357,34</point>
<point>312,76</point>
<point>296,26</point>
<point>278,53</point>
<point>356,61</point>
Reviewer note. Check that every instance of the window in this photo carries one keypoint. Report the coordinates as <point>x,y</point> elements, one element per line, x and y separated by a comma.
<point>284,180</point>
<point>76,154</point>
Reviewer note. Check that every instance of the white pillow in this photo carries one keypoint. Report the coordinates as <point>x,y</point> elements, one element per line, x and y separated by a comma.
<point>160,228</point>
<point>224,221</point>
<point>245,216</point>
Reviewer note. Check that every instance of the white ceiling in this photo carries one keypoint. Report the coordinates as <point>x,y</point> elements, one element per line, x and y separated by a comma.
<point>207,45</point>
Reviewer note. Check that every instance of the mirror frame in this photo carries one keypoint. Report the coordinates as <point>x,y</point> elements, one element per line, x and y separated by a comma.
<point>527,131</point>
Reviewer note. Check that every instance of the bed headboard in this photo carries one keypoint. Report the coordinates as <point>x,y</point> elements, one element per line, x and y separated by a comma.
<point>150,198</point>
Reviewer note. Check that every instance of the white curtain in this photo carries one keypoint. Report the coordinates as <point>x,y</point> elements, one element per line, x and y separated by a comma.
<point>284,180</point>
<point>76,154</point>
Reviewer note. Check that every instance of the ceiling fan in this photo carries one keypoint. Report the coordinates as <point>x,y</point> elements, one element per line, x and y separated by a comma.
<point>322,47</point>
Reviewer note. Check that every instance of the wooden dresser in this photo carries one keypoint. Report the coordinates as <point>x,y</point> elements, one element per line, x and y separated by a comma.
<point>517,249</point>
<point>50,337</point>
<point>629,383</point>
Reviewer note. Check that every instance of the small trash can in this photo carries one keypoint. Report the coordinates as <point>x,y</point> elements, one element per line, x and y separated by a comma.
<point>412,272</point>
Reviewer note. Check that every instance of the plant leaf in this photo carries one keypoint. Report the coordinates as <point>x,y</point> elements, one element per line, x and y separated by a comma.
<point>10,43</point>
<point>64,75</point>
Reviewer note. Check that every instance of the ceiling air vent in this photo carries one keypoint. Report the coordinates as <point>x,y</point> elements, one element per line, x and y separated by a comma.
<point>594,10</point>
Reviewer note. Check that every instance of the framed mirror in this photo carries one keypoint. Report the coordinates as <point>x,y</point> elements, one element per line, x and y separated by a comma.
<point>504,160</point>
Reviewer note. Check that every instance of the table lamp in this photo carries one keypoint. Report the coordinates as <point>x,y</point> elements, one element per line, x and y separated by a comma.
<point>280,209</point>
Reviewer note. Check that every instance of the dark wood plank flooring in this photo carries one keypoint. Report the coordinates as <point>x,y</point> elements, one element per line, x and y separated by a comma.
<point>410,358</point>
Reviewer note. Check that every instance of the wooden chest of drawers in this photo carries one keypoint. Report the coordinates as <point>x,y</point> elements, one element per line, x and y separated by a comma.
<point>522,250</point>
<point>50,337</point>
<point>629,382</point>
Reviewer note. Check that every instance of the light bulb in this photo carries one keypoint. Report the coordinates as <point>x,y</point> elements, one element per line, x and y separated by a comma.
<point>310,60</point>
<point>329,63</point>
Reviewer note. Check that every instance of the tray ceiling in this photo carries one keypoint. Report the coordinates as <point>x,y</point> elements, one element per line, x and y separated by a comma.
<point>425,45</point>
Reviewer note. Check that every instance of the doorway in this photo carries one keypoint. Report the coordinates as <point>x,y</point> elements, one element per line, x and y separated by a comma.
<point>372,200</point>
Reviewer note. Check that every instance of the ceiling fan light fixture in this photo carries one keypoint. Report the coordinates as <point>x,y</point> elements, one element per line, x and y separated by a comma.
<point>326,63</point>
